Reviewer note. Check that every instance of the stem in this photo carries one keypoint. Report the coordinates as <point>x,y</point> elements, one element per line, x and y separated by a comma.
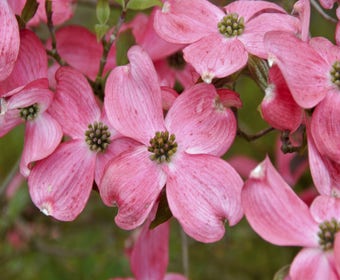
<point>318,8</point>
<point>185,255</point>
<point>53,52</point>
<point>254,136</point>
<point>98,84</point>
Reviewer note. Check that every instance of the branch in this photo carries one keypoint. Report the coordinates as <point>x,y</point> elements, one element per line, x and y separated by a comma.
<point>254,136</point>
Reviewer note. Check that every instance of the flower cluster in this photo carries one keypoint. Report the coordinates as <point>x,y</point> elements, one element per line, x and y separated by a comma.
<point>157,128</point>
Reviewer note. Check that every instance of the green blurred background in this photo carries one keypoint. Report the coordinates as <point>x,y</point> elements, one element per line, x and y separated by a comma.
<point>33,246</point>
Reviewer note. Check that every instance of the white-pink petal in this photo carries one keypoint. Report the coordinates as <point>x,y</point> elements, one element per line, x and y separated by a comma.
<point>203,192</point>
<point>133,98</point>
<point>274,211</point>
<point>305,71</point>
<point>42,136</point>
<point>133,182</point>
<point>185,22</point>
<point>9,40</point>
<point>216,56</point>
<point>312,264</point>
<point>60,185</point>
<point>200,122</point>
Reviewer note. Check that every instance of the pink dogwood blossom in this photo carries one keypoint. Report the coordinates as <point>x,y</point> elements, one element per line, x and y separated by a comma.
<point>25,98</point>
<point>220,40</point>
<point>277,214</point>
<point>181,151</point>
<point>9,40</point>
<point>60,185</point>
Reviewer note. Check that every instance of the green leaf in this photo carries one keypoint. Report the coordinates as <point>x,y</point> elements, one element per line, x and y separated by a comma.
<point>163,212</point>
<point>29,10</point>
<point>100,30</point>
<point>143,4</point>
<point>123,43</point>
<point>282,273</point>
<point>103,11</point>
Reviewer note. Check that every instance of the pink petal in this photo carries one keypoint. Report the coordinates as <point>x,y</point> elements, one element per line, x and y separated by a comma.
<point>327,4</point>
<point>216,56</point>
<point>10,41</point>
<point>185,22</point>
<point>60,185</point>
<point>42,136</point>
<point>150,254</point>
<point>133,182</point>
<point>326,49</point>
<point>31,63</point>
<point>312,264</point>
<point>89,51</point>
<point>9,120</point>
<point>306,73</point>
<point>229,98</point>
<point>203,191</point>
<point>115,148</point>
<point>278,107</point>
<point>337,33</point>
<point>156,47</point>
<point>337,252</point>
<point>325,208</point>
<point>255,29</point>
<point>249,9</point>
<point>265,198</point>
<point>169,96</point>
<point>242,164</point>
<point>34,92</point>
<point>325,172</point>
<point>133,98</point>
<point>174,276</point>
<point>302,7</point>
<point>74,105</point>
<point>325,127</point>
<point>200,122</point>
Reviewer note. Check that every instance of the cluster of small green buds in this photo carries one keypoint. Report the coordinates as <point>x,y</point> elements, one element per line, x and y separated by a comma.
<point>231,25</point>
<point>162,147</point>
<point>29,113</point>
<point>335,73</point>
<point>97,137</point>
<point>327,232</point>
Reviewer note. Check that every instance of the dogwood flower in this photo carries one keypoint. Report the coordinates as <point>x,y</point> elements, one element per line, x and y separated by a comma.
<point>25,98</point>
<point>181,151</point>
<point>278,215</point>
<point>220,40</point>
<point>60,185</point>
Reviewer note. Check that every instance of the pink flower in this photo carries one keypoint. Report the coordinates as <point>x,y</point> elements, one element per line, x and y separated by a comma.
<point>9,40</point>
<point>60,185</point>
<point>181,151</point>
<point>25,98</point>
<point>219,41</point>
<point>277,214</point>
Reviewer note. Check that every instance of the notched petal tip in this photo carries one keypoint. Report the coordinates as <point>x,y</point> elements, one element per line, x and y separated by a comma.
<point>166,8</point>
<point>258,172</point>
<point>46,209</point>
<point>207,77</point>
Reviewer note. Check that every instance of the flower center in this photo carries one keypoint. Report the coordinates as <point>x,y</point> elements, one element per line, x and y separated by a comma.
<point>29,113</point>
<point>163,146</point>
<point>231,25</point>
<point>335,73</point>
<point>327,232</point>
<point>97,137</point>
<point>176,60</point>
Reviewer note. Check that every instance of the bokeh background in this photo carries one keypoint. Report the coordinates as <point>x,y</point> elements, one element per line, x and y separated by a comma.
<point>33,246</point>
